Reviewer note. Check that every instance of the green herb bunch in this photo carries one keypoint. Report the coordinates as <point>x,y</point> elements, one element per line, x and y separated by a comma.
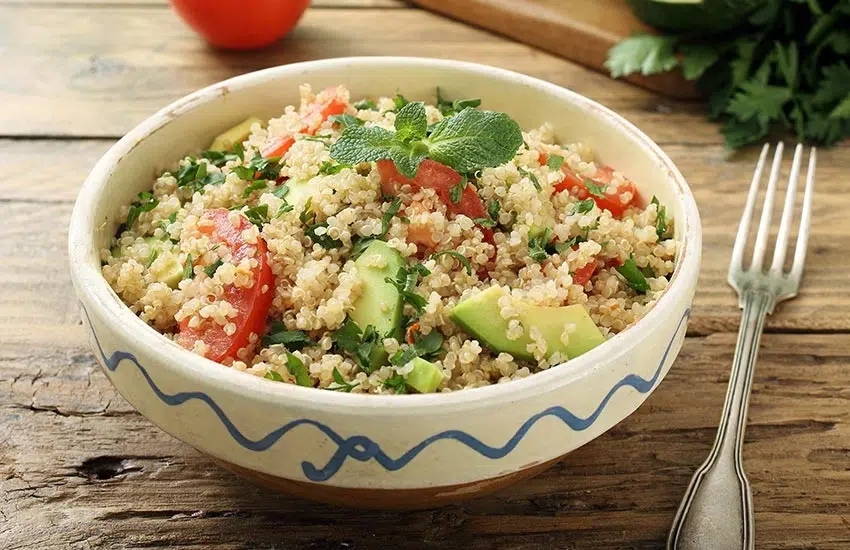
<point>784,67</point>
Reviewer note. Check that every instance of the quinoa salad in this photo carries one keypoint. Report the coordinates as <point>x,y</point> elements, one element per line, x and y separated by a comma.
<point>382,245</point>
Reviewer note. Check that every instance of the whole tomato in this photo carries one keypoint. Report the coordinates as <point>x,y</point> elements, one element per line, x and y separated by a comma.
<point>241,24</point>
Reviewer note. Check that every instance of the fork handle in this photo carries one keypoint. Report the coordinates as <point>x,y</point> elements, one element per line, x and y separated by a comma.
<point>717,512</point>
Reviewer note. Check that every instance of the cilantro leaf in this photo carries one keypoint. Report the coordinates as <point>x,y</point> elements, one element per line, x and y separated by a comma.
<point>698,58</point>
<point>358,343</point>
<point>643,53</point>
<point>758,101</point>
<point>474,139</point>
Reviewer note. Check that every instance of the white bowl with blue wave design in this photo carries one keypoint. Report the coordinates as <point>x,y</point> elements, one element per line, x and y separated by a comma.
<point>368,450</point>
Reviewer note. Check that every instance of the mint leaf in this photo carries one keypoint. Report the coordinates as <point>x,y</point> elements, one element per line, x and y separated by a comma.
<point>474,139</point>
<point>643,53</point>
<point>411,122</point>
<point>359,144</point>
<point>408,157</point>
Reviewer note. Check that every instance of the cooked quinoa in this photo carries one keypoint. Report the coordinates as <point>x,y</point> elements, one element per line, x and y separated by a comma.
<point>254,253</point>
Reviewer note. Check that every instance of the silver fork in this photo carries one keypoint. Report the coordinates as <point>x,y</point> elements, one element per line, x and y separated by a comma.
<point>717,512</point>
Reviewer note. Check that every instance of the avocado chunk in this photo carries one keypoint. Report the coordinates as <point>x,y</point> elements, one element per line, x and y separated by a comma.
<point>171,272</point>
<point>425,376</point>
<point>379,303</point>
<point>239,133</point>
<point>480,316</point>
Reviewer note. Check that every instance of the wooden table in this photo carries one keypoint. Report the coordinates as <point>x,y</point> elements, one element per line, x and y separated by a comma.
<point>79,469</point>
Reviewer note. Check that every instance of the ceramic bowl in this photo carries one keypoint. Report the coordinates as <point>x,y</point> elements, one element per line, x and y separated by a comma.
<point>408,451</point>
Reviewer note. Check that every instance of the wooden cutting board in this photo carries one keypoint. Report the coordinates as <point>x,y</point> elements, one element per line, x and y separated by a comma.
<point>579,30</point>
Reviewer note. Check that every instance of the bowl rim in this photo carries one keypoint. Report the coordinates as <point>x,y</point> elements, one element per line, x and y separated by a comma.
<point>96,292</point>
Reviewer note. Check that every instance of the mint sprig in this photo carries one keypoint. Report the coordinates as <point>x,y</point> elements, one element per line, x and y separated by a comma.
<point>468,141</point>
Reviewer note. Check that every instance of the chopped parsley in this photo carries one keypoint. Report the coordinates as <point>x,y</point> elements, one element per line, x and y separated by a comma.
<point>346,120</point>
<point>457,255</point>
<point>425,347</point>
<point>321,138</point>
<point>154,254</point>
<point>388,215</point>
<point>258,215</point>
<point>360,247</point>
<point>494,209</point>
<point>531,176</point>
<point>399,101</point>
<point>484,222</point>
<point>145,203</point>
<point>284,208</point>
<point>341,384</point>
<point>555,162</point>
<point>273,375</point>
<point>595,189</point>
<point>366,104</point>
<point>259,168</point>
<point>449,108</point>
<point>256,186</point>
<point>537,245</point>
<point>406,281</point>
<point>396,382</point>
<point>280,191</point>
<point>456,192</point>
<point>194,175</point>
<point>220,158</point>
<point>212,268</point>
<point>360,344</point>
<point>328,168</point>
<point>293,340</point>
<point>660,219</point>
<point>585,206</point>
<point>630,272</point>
<point>188,268</point>
<point>297,369</point>
<point>311,226</point>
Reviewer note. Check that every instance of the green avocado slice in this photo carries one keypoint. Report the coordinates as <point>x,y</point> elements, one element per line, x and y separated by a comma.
<point>480,316</point>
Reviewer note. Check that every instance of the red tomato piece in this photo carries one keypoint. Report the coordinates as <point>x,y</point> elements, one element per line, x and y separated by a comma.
<point>611,201</point>
<point>583,274</point>
<point>326,105</point>
<point>242,25</point>
<point>251,303</point>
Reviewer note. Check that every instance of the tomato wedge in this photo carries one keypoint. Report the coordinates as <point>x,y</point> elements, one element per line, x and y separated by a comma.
<point>327,104</point>
<point>251,303</point>
<point>583,274</point>
<point>440,178</point>
<point>611,200</point>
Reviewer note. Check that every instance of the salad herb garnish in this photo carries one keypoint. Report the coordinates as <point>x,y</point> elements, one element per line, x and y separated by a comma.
<point>341,384</point>
<point>468,141</point>
<point>456,255</point>
<point>555,162</point>
<point>449,108</point>
<point>308,218</point>
<point>660,219</point>
<point>145,203</point>
<point>630,272</point>
<point>213,267</point>
<point>297,369</point>
<point>406,280</point>
<point>293,340</point>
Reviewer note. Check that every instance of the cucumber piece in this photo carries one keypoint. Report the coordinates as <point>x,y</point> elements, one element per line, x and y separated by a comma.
<point>239,133</point>
<point>425,377</point>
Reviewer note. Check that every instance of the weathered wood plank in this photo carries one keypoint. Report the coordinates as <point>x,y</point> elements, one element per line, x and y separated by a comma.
<point>34,285</point>
<point>103,84</point>
<point>80,470</point>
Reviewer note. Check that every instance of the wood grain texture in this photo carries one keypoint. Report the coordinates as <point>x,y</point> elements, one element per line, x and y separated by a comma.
<point>79,469</point>
<point>98,84</point>
<point>579,30</point>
